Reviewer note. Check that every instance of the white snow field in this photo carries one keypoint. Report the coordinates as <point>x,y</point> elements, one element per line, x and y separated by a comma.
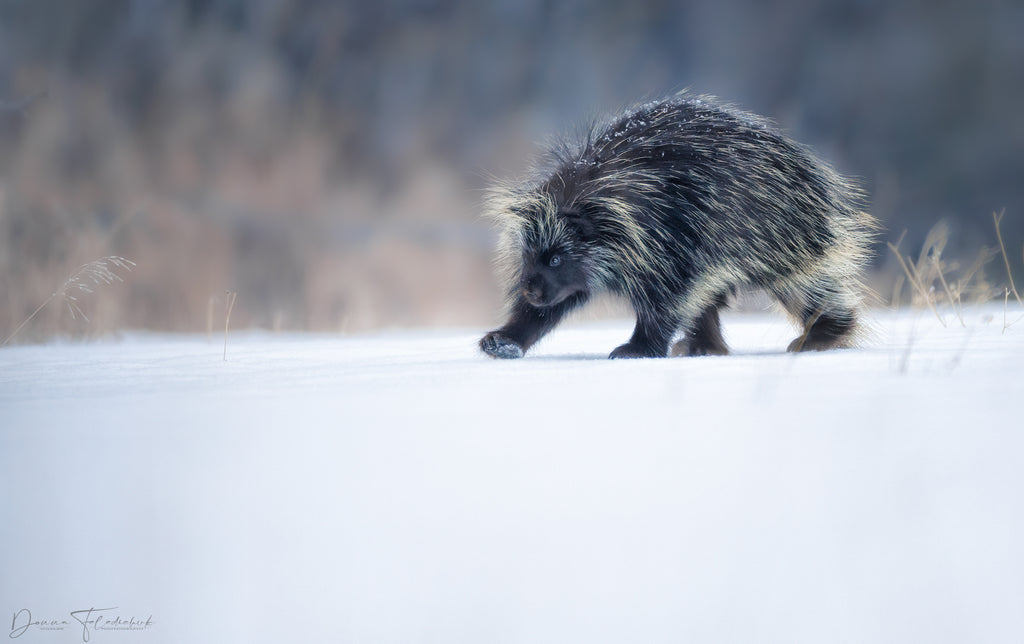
<point>402,487</point>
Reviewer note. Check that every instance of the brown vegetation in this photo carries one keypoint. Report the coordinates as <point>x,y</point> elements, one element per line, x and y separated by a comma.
<point>325,160</point>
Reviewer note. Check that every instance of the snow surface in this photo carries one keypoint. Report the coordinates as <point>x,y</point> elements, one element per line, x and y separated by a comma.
<point>402,487</point>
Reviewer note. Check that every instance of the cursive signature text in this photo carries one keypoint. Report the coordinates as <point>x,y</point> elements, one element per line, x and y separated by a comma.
<point>23,621</point>
<point>90,619</point>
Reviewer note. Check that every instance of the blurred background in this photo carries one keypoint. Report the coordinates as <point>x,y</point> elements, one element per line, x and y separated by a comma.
<point>324,159</point>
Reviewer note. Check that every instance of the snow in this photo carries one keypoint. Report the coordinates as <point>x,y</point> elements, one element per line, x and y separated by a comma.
<point>401,487</point>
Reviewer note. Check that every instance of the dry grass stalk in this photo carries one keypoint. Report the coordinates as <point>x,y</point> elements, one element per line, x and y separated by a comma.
<point>230,297</point>
<point>1006,301</point>
<point>1013,289</point>
<point>913,277</point>
<point>82,281</point>
<point>953,300</point>
<point>897,289</point>
<point>983,291</point>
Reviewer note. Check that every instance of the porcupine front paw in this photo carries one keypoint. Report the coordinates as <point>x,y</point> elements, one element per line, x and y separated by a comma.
<point>497,345</point>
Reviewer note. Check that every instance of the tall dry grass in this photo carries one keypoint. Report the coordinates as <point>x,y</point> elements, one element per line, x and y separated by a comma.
<point>83,281</point>
<point>944,285</point>
<point>305,245</point>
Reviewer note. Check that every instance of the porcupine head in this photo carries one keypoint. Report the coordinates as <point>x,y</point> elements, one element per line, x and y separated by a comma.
<point>546,252</point>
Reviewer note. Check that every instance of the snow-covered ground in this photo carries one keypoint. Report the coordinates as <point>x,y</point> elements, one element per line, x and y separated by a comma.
<point>402,487</point>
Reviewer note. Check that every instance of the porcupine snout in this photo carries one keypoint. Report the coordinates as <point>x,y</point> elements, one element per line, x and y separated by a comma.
<point>533,290</point>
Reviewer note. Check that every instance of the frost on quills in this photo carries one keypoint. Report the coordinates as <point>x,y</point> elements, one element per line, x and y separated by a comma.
<point>674,205</point>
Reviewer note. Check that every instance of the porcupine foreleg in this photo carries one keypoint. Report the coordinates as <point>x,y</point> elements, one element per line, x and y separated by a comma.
<point>526,325</point>
<point>654,329</point>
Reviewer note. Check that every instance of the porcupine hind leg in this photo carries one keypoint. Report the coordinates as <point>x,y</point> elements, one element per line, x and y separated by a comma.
<point>526,326</point>
<point>704,336</point>
<point>826,309</point>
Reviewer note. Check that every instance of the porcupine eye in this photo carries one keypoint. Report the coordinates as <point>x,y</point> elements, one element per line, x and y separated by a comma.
<point>555,261</point>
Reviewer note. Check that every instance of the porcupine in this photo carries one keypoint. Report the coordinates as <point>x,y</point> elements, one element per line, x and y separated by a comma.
<point>675,205</point>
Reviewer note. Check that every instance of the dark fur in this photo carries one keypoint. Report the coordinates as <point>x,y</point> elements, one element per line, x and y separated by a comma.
<point>675,205</point>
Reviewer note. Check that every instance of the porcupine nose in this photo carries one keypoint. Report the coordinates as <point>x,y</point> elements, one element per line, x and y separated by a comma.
<point>532,292</point>
<point>531,289</point>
